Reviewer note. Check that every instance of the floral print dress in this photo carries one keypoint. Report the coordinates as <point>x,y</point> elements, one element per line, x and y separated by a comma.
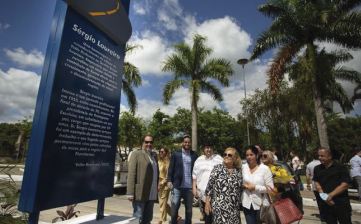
<point>225,190</point>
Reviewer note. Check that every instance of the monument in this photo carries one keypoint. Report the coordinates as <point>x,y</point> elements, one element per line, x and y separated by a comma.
<point>72,148</point>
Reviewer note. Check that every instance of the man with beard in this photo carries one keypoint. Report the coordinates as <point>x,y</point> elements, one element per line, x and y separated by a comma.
<point>142,181</point>
<point>331,181</point>
<point>180,180</point>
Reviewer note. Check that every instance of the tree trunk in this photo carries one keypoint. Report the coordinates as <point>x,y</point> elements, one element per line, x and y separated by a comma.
<point>320,118</point>
<point>194,126</point>
<point>317,100</point>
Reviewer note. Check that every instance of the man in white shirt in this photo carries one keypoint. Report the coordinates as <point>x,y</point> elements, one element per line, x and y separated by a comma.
<point>309,175</point>
<point>355,164</point>
<point>202,169</point>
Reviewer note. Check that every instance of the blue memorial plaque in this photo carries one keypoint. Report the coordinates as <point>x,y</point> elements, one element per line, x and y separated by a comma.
<point>72,149</point>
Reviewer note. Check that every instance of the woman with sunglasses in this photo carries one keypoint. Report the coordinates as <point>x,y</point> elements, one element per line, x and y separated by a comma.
<point>224,189</point>
<point>163,190</point>
<point>256,177</point>
<point>267,158</point>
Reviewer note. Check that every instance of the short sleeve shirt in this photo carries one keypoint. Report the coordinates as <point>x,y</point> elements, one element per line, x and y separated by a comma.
<point>331,178</point>
<point>355,164</point>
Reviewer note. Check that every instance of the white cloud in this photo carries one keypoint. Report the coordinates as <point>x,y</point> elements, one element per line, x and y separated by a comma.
<point>225,36</point>
<point>3,26</point>
<point>143,7</point>
<point>18,91</point>
<point>181,98</point>
<point>149,59</point>
<point>123,108</point>
<point>170,14</point>
<point>145,83</point>
<point>34,59</point>
<point>139,9</point>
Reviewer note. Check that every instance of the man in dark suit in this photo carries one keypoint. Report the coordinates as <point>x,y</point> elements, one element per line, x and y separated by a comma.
<point>180,180</point>
<point>142,181</point>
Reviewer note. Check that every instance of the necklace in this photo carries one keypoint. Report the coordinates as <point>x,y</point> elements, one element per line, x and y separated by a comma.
<point>329,165</point>
<point>253,169</point>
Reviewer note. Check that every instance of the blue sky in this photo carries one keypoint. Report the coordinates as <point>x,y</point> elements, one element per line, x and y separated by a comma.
<point>232,27</point>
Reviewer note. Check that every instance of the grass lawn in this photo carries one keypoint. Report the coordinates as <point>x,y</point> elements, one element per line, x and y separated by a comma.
<point>303,178</point>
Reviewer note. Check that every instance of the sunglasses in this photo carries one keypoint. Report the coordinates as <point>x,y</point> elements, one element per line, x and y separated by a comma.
<point>264,156</point>
<point>227,154</point>
<point>148,142</point>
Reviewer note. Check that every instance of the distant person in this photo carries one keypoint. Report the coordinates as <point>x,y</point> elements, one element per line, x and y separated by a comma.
<point>142,181</point>
<point>163,190</point>
<point>355,164</point>
<point>224,189</point>
<point>260,149</point>
<point>180,180</point>
<point>201,171</point>
<point>296,166</point>
<point>267,158</point>
<point>256,177</point>
<point>331,181</point>
<point>274,151</point>
<point>309,176</point>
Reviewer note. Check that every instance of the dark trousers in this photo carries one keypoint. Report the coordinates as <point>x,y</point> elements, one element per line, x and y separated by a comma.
<point>250,215</point>
<point>207,218</point>
<point>340,212</point>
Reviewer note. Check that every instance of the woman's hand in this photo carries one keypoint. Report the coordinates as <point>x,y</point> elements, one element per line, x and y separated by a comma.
<point>207,208</point>
<point>250,187</point>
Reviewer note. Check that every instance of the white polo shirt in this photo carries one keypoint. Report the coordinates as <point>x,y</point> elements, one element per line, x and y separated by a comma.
<point>202,169</point>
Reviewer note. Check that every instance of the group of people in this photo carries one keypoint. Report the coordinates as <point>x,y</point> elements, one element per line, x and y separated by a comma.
<point>224,186</point>
<point>148,178</point>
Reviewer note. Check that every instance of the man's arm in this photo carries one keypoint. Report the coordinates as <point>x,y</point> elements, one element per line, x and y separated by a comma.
<point>308,180</point>
<point>195,188</point>
<point>171,170</point>
<point>318,187</point>
<point>131,176</point>
<point>338,190</point>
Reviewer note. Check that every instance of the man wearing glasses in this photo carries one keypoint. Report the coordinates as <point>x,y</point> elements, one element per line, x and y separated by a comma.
<point>180,180</point>
<point>142,181</point>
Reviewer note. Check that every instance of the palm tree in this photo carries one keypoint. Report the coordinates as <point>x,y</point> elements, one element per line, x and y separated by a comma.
<point>328,74</point>
<point>300,23</point>
<point>131,79</point>
<point>357,93</point>
<point>192,69</point>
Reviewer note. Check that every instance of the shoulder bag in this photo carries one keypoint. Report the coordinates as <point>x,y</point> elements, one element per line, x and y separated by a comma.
<point>284,210</point>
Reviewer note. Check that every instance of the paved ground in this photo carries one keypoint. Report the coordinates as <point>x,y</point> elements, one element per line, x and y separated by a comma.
<point>120,206</point>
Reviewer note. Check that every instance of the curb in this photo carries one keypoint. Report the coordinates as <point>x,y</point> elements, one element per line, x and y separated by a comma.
<point>308,202</point>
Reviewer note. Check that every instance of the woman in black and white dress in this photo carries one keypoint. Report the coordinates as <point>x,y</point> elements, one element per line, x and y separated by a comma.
<point>224,189</point>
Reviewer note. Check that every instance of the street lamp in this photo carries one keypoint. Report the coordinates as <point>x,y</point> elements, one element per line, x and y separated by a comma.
<point>243,62</point>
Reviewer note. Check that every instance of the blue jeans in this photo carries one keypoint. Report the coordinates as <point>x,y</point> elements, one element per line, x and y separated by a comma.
<point>143,210</point>
<point>177,195</point>
<point>298,174</point>
<point>250,215</point>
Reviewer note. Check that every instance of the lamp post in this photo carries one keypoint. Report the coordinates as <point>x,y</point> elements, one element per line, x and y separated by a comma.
<point>243,62</point>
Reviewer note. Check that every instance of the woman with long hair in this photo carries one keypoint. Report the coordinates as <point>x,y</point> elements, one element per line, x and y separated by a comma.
<point>224,189</point>
<point>163,190</point>
<point>256,177</point>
